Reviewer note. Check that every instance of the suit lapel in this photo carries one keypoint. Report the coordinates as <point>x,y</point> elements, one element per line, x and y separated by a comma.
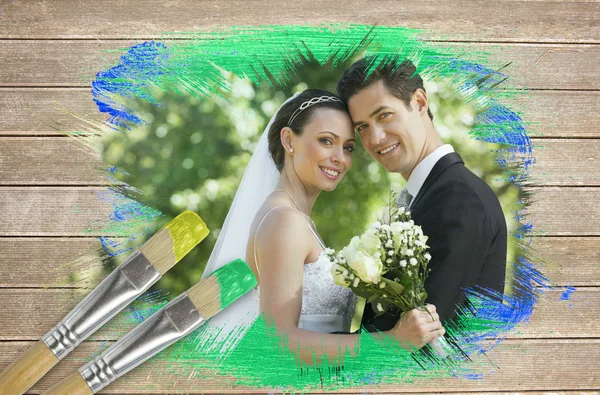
<point>441,165</point>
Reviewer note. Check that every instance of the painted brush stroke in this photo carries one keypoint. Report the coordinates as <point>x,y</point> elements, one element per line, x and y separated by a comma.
<point>271,53</point>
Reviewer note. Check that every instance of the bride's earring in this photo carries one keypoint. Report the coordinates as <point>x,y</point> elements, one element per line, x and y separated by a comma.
<point>291,150</point>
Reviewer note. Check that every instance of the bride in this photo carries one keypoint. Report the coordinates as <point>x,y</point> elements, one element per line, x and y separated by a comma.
<point>306,148</point>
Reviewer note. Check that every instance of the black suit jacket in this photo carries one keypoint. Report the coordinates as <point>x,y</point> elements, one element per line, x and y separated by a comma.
<point>467,237</point>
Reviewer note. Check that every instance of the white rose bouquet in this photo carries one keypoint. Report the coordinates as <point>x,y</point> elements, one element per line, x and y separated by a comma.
<point>387,264</point>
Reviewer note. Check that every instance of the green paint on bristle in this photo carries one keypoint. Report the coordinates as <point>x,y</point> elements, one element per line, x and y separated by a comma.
<point>186,230</point>
<point>235,279</point>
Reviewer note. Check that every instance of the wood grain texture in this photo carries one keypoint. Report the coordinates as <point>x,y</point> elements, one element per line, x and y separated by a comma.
<point>47,211</point>
<point>46,110</point>
<point>550,21</point>
<point>34,111</point>
<point>571,261</point>
<point>78,211</point>
<point>49,161</point>
<point>74,384</point>
<point>556,211</point>
<point>27,369</point>
<point>63,161</point>
<point>48,262</point>
<point>75,63</point>
<point>566,162</point>
<point>566,261</point>
<point>552,317</point>
<point>522,365</point>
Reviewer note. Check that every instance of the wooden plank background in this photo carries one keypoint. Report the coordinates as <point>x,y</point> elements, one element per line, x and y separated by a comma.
<point>50,52</point>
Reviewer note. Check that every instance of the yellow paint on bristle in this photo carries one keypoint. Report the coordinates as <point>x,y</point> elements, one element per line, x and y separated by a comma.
<point>186,230</point>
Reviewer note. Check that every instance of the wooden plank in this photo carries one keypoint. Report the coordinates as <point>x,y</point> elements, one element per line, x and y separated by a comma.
<point>549,21</point>
<point>558,211</point>
<point>522,365</point>
<point>49,161</point>
<point>552,317</point>
<point>557,113</point>
<point>566,162</point>
<point>46,111</point>
<point>32,111</point>
<point>55,262</point>
<point>568,260</point>
<point>75,63</point>
<point>77,211</point>
<point>63,161</point>
<point>44,308</point>
<point>47,211</point>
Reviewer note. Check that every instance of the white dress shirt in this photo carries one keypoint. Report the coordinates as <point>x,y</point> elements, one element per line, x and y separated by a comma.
<point>422,170</point>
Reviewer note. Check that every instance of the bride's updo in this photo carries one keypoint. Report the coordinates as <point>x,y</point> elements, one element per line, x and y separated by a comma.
<point>292,111</point>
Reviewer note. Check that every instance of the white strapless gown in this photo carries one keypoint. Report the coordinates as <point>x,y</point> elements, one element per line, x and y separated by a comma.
<point>326,306</point>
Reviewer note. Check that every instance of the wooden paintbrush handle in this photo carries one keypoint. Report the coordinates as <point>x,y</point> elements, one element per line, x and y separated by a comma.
<point>23,373</point>
<point>72,385</point>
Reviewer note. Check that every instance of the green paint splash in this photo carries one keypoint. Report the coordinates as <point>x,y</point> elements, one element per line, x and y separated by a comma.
<point>272,53</point>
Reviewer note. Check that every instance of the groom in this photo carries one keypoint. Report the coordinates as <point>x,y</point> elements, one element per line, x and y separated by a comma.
<point>457,210</point>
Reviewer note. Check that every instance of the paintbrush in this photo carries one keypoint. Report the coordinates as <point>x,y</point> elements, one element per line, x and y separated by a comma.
<point>174,321</point>
<point>143,267</point>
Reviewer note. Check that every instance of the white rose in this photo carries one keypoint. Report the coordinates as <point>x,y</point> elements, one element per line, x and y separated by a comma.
<point>403,263</point>
<point>413,261</point>
<point>352,249</point>
<point>337,272</point>
<point>427,256</point>
<point>368,269</point>
<point>370,241</point>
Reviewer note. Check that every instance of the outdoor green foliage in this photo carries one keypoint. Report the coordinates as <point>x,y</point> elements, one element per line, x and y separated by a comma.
<point>192,153</point>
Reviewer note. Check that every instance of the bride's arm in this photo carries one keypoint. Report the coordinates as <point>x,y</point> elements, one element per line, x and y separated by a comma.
<point>283,243</point>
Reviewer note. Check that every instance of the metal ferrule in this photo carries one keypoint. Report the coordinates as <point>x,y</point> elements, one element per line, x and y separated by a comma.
<point>163,328</point>
<point>121,287</point>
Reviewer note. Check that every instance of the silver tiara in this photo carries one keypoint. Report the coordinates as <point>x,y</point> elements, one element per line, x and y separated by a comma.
<point>311,102</point>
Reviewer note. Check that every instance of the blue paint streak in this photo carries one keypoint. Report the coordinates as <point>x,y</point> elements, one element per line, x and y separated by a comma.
<point>112,247</point>
<point>567,294</point>
<point>140,68</point>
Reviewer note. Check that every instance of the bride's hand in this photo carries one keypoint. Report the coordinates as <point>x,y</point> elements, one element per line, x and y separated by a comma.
<point>417,328</point>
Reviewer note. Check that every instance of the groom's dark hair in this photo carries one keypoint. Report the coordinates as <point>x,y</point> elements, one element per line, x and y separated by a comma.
<point>399,77</point>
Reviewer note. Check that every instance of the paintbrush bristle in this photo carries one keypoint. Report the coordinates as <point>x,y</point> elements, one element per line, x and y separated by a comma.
<point>170,244</point>
<point>222,288</point>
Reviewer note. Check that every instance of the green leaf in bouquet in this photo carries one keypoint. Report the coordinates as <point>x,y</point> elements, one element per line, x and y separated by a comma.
<point>421,297</point>
<point>363,293</point>
<point>392,285</point>
<point>406,281</point>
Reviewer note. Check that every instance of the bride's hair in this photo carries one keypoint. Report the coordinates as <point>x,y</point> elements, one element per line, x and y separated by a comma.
<point>291,111</point>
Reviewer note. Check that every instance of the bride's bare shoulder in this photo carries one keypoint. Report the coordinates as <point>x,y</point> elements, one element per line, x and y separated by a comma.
<point>278,217</point>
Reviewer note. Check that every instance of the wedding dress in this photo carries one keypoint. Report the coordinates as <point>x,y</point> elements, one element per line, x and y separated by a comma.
<point>326,306</point>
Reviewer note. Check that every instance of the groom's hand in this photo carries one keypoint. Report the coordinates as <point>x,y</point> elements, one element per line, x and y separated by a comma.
<point>416,328</point>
